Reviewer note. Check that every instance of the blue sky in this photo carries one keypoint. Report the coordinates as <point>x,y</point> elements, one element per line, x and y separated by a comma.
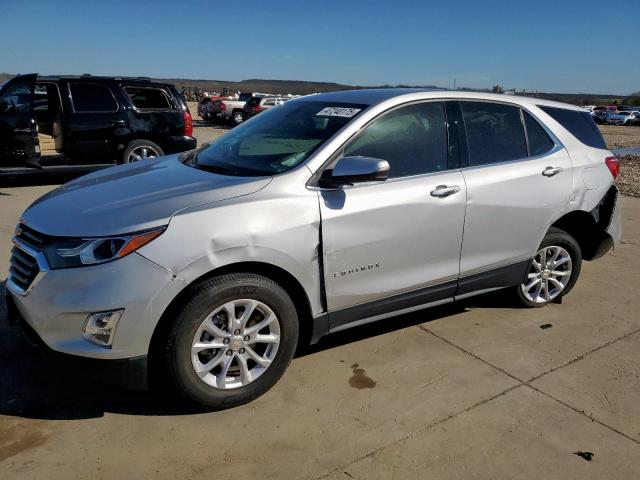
<point>548,45</point>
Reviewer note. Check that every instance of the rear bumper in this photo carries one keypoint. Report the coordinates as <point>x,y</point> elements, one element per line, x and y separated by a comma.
<point>607,217</point>
<point>179,144</point>
<point>130,373</point>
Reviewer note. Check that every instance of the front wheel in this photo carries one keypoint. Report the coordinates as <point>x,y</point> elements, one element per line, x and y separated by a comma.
<point>232,340</point>
<point>553,271</point>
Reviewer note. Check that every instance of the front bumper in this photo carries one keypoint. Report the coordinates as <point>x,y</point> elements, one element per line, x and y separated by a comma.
<point>58,305</point>
<point>130,373</point>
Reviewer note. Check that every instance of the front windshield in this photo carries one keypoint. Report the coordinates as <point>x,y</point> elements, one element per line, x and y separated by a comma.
<point>276,140</point>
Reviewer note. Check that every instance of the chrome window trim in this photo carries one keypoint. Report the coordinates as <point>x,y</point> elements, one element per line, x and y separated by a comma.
<point>73,107</point>
<point>41,261</point>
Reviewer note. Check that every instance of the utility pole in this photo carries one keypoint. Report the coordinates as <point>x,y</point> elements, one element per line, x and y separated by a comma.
<point>454,83</point>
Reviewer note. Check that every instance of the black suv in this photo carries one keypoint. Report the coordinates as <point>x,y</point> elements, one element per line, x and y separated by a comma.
<point>87,120</point>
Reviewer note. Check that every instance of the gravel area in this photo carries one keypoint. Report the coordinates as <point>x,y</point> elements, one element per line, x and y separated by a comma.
<point>629,179</point>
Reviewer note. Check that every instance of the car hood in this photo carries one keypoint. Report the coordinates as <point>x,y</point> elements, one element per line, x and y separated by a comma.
<point>131,198</point>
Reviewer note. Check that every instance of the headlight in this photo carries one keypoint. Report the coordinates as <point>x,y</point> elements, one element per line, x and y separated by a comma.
<point>76,252</point>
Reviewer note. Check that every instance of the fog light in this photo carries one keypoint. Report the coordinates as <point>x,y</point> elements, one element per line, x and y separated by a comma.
<point>100,327</point>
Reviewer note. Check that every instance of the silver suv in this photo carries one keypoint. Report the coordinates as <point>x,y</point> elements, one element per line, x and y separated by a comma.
<point>209,267</point>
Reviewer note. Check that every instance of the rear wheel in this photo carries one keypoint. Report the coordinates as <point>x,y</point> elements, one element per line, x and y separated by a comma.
<point>237,117</point>
<point>141,150</point>
<point>553,271</point>
<point>232,341</point>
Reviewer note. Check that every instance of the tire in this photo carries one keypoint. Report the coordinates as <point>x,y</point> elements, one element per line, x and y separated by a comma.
<point>236,117</point>
<point>135,149</point>
<point>195,327</point>
<point>556,243</point>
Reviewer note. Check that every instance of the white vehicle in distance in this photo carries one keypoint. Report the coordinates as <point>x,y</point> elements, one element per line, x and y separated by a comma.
<point>206,270</point>
<point>623,117</point>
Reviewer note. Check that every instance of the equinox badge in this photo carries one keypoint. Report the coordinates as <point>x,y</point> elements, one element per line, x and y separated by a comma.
<point>359,269</point>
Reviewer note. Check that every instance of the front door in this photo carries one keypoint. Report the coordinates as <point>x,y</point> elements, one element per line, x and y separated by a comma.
<point>18,130</point>
<point>395,245</point>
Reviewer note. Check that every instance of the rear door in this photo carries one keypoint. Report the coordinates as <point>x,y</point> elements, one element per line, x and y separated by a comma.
<point>394,245</point>
<point>519,178</point>
<point>18,129</point>
<point>94,122</point>
<point>153,114</point>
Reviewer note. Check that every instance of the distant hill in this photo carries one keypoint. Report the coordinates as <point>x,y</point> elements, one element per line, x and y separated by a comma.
<point>300,87</point>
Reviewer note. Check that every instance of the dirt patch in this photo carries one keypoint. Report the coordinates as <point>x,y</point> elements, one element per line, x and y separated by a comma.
<point>629,179</point>
<point>20,437</point>
<point>619,136</point>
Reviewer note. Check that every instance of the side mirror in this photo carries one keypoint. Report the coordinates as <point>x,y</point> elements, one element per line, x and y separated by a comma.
<point>350,170</point>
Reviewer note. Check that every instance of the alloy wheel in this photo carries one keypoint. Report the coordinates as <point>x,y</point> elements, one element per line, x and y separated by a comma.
<point>235,344</point>
<point>142,153</point>
<point>549,273</point>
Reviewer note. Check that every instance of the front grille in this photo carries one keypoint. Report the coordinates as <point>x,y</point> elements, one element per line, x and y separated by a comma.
<point>23,269</point>
<point>31,237</point>
<point>24,266</point>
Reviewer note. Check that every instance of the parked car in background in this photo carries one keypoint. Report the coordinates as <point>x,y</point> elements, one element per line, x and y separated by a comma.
<point>227,110</point>
<point>209,270</point>
<point>88,119</point>
<point>204,106</point>
<point>260,104</point>
<point>622,117</point>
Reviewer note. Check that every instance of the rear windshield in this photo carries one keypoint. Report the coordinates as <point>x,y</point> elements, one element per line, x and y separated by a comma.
<point>580,124</point>
<point>277,140</point>
<point>254,101</point>
<point>244,97</point>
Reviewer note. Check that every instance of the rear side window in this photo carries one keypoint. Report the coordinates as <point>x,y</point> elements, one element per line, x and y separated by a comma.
<point>144,98</point>
<point>412,139</point>
<point>494,132</point>
<point>539,142</point>
<point>92,97</point>
<point>580,124</point>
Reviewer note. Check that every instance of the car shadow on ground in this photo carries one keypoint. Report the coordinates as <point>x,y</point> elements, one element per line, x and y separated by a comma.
<point>54,175</point>
<point>35,385</point>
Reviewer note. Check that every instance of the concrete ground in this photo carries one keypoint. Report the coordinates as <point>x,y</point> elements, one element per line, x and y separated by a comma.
<point>474,390</point>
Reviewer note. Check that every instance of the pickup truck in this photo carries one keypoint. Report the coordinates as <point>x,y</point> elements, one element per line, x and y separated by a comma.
<point>231,110</point>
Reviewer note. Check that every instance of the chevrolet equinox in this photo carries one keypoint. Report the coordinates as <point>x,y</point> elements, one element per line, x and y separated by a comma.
<point>207,268</point>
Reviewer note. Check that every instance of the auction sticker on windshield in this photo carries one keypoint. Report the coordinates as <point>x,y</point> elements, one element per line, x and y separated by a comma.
<point>338,112</point>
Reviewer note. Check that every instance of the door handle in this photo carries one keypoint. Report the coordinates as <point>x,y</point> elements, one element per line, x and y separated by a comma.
<point>551,171</point>
<point>442,191</point>
<point>117,122</point>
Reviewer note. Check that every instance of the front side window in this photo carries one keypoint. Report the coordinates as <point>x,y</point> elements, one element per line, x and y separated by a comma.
<point>277,140</point>
<point>494,132</point>
<point>539,142</point>
<point>92,97</point>
<point>144,98</point>
<point>16,99</point>
<point>413,139</point>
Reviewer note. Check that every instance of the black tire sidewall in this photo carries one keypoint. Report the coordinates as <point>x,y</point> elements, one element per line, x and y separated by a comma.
<point>558,238</point>
<point>204,300</point>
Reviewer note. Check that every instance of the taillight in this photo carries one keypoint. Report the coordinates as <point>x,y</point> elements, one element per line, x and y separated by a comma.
<point>613,164</point>
<point>257,108</point>
<point>188,124</point>
<point>223,106</point>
